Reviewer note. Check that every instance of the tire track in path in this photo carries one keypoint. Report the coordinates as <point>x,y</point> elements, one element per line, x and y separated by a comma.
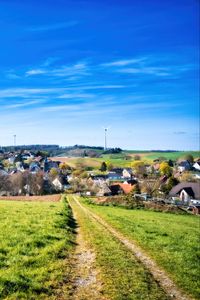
<point>159,275</point>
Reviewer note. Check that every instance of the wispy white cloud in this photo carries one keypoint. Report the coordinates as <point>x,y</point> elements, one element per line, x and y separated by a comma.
<point>35,72</point>
<point>147,70</point>
<point>76,95</point>
<point>23,104</point>
<point>56,108</point>
<point>79,69</point>
<point>107,106</point>
<point>149,65</point>
<point>54,26</point>
<point>27,92</point>
<point>32,92</point>
<point>124,62</point>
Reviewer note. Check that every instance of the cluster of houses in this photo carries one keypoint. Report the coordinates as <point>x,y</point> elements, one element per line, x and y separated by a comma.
<point>117,181</point>
<point>29,164</point>
<point>123,181</point>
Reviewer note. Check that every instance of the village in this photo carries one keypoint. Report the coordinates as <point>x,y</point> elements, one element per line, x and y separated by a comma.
<point>159,184</point>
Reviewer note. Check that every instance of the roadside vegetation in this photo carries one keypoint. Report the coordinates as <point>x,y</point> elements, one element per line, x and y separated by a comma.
<point>172,240</point>
<point>36,239</point>
<point>123,277</point>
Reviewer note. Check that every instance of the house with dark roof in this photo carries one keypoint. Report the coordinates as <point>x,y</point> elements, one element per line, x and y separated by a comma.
<point>114,176</point>
<point>186,191</point>
<point>184,165</point>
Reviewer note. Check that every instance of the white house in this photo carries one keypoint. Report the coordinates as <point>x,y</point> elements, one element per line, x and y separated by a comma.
<point>127,173</point>
<point>57,184</point>
<point>196,165</point>
<point>186,191</point>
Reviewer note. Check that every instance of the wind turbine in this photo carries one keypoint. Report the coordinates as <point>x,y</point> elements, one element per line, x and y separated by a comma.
<point>105,137</point>
<point>14,136</point>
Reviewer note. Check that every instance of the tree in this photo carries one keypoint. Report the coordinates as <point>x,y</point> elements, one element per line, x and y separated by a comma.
<point>5,184</point>
<point>54,172</point>
<point>166,188</point>
<point>150,186</point>
<point>103,167</point>
<point>137,157</point>
<point>138,166</point>
<point>64,168</point>
<point>136,189</point>
<point>189,157</point>
<point>165,169</point>
<point>17,183</point>
<point>186,176</point>
<point>84,175</point>
<point>170,163</point>
<point>109,165</point>
<point>37,184</point>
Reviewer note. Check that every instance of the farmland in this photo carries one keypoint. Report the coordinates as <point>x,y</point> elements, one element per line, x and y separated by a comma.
<point>47,198</point>
<point>123,159</point>
<point>172,240</point>
<point>35,239</point>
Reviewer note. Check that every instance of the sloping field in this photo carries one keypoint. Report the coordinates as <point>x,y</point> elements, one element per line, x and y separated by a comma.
<point>76,161</point>
<point>171,240</point>
<point>35,240</point>
<point>119,160</point>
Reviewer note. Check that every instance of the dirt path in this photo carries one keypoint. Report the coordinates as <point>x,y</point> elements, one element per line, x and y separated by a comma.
<point>160,276</point>
<point>86,282</point>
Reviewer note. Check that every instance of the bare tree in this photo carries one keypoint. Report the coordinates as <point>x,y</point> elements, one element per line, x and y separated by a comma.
<point>5,184</point>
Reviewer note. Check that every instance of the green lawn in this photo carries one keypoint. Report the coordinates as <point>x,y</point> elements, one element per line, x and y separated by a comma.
<point>172,240</point>
<point>35,240</point>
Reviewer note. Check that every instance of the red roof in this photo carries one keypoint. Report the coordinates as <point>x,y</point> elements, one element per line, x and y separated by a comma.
<point>127,188</point>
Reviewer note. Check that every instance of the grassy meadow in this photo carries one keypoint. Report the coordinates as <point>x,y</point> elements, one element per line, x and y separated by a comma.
<point>122,275</point>
<point>35,240</point>
<point>172,240</point>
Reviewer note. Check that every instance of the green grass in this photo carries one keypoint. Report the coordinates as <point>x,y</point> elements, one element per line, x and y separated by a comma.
<point>172,240</point>
<point>123,277</point>
<point>119,159</point>
<point>170,155</point>
<point>35,240</point>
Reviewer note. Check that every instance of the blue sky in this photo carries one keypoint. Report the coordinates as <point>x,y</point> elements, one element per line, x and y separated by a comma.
<point>69,68</point>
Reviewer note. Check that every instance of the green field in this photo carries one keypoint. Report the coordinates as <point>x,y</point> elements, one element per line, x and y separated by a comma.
<point>35,239</point>
<point>120,159</point>
<point>170,155</point>
<point>123,277</point>
<point>172,240</point>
